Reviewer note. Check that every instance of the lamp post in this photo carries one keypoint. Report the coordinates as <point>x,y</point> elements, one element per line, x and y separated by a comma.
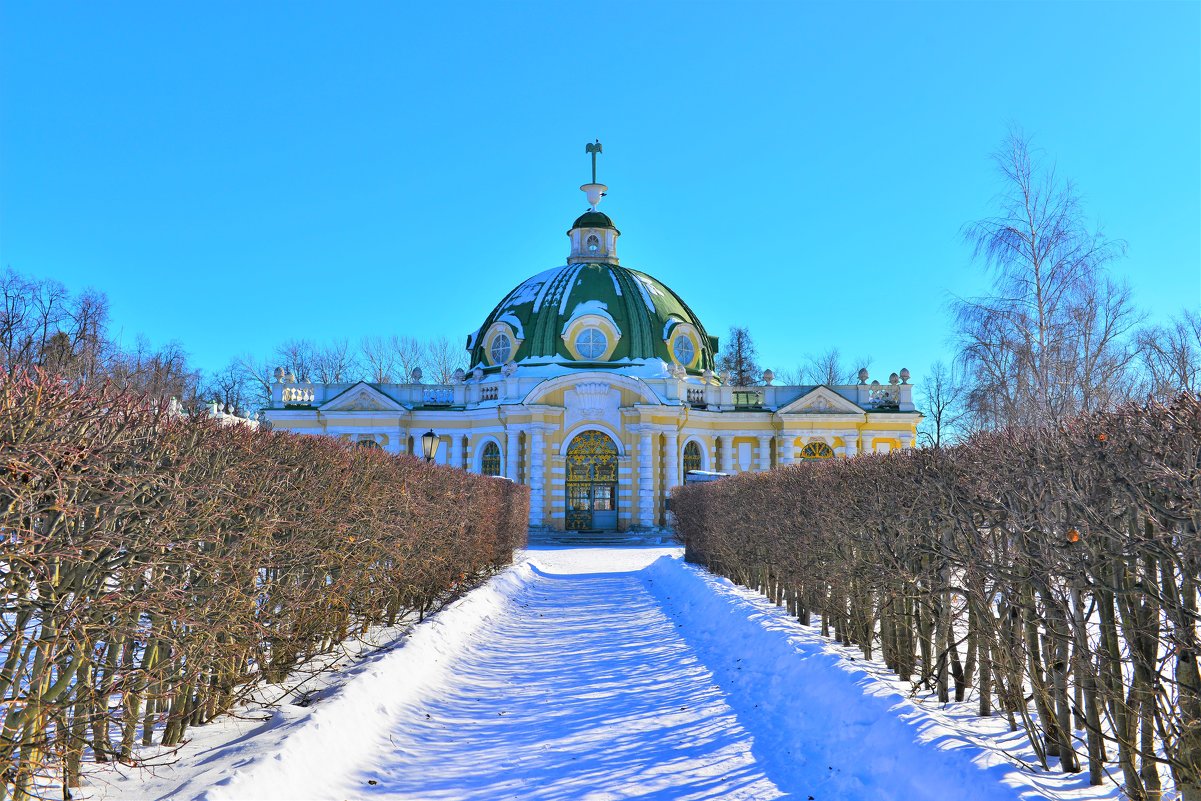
<point>429,445</point>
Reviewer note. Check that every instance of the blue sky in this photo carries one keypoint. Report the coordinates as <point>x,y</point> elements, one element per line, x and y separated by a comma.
<point>233,175</point>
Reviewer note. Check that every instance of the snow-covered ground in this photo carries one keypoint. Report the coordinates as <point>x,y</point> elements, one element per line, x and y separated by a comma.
<point>603,674</point>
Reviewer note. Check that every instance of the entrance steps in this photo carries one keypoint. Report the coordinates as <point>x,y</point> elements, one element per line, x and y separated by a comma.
<point>601,539</point>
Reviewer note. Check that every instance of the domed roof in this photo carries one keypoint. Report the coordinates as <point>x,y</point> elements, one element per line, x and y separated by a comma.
<point>594,219</point>
<point>543,309</point>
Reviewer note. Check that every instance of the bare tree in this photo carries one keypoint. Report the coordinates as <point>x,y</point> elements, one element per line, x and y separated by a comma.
<point>297,356</point>
<point>741,358</point>
<point>829,368</point>
<point>33,312</point>
<point>49,304</point>
<point>1050,341</point>
<point>257,376</point>
<point>89,314</point>
<point>157,372</point>
<point>409,355</point>
<point>231,388</point>
<point>335,363</point>
<point>379,359</point>
<point>442,358</point>
<point>393,359</point>
<point>15,294</point>
<point>943,397</point>
<point>42,324</point>
<point>1171,356</point>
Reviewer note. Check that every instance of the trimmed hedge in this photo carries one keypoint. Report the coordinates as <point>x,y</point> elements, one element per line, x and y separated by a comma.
<point>155,567</point>
<point>1053,574</point>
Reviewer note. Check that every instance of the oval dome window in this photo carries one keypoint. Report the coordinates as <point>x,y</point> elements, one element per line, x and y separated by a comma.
<point>501,349</point>
<point>684,350</point>
<point>591,343</point>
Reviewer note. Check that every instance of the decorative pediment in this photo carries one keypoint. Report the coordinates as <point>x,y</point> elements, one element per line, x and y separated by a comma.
<point>821,400</point>
<point>362,398</point>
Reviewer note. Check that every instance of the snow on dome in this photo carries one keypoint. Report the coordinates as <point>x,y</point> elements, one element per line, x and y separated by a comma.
<point>593,307</point>
<point>639,306</point>
<point>513,322</point>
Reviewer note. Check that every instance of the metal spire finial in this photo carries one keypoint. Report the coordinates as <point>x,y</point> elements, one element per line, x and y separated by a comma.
<point>593,148</point>
<point>594,191</point>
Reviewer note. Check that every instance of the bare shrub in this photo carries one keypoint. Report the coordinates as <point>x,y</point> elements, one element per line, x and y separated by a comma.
<point>1051,572</point>
<point>155,567</point>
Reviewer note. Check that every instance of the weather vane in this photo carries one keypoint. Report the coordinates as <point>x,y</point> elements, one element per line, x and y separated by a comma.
<point>594,191</point>
<point>593,148</point>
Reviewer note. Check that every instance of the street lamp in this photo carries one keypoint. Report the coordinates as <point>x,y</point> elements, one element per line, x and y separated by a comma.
<point>429,444</point>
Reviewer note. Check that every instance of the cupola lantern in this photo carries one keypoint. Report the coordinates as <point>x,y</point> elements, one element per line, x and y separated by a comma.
<point>593,235</point>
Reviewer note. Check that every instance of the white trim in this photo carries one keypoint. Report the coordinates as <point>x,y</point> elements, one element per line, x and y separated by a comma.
<point>544,388</point>
<point>827,401</point>
<point>335,404</point>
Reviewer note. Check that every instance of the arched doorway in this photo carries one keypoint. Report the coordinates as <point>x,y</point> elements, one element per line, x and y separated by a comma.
<point>591,482</point>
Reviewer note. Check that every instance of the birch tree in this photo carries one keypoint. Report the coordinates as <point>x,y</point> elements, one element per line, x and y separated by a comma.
<point>1052,339</point>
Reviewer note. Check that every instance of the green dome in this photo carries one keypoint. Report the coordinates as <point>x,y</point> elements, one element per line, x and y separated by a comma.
<point>644,311</point>
<point>594,219</point>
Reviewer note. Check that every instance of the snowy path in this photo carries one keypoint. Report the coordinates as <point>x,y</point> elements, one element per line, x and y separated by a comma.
<point>592,674</point>
<point>584,690</point>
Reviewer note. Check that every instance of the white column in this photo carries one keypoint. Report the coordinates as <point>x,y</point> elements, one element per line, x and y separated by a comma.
<point>765,453</point>
<point>402,441</point>
<point>727,452</point>
<point>536,475</point>
<point>672,461</point>
<point>851,438</point>
<point>512,444</point>
<point>456,450</point>
<point>646,478</point>
<point>784,448</point>
<point>906,441</point>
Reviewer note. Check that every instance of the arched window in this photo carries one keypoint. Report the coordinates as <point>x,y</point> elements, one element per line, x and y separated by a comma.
<point>367,441</point>
<point>593,243</point>
<point>490,460</point>
<point>817,450</point>
<point>692,457</point>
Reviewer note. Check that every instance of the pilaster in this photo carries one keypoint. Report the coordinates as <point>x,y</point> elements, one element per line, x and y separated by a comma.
<point>784,448</point>
<point>727,452</point>
<point>646,477</point>
<point>765,453</point>
<point>537,477</point>
<point>671,454</point>
<point>512,452</point>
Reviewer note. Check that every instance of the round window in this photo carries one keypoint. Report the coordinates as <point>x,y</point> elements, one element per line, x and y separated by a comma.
<point>684,350</point>
<point>501,349</point>
<point>591,343</point>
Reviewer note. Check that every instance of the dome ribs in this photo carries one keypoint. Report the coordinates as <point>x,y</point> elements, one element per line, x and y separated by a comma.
<point>637,303</point>
<point>638,338</point>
